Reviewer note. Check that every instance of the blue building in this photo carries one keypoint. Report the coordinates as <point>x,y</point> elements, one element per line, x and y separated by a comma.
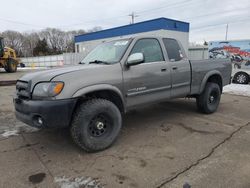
<point>156,27</point>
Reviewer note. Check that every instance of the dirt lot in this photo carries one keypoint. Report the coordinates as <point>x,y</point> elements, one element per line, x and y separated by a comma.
<point>163,145</point>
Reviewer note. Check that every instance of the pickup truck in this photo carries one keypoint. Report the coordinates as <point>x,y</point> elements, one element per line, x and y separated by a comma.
<point>115,77</point>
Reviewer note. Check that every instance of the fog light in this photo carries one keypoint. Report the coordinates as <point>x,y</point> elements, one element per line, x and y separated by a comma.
<point>40,120</point>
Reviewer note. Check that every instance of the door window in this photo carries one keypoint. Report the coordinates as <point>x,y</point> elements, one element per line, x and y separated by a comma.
<point>150,48</point>
<point>173,49</point>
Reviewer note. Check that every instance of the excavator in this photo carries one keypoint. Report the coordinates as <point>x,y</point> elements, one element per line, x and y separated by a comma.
<point>8,58</point>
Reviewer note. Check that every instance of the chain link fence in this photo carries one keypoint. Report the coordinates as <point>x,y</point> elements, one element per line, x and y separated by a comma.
<point>53,60</point>
<point>194,53</point>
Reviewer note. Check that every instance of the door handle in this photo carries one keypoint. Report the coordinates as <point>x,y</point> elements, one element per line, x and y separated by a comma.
<point>175,68</point>
<point>163,70</point>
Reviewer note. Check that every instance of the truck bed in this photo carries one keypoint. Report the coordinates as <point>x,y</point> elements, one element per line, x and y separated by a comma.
<point>201,69</point>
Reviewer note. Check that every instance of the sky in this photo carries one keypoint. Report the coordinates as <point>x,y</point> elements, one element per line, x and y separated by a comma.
<point>207,18</point>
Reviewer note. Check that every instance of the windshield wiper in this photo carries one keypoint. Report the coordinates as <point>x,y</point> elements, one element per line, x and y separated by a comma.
<point>99,62</point>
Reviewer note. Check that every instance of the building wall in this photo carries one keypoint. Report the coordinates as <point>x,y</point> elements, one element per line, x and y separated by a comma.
<point>87,46</point>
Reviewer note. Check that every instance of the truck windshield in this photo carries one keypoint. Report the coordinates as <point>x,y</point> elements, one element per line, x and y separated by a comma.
<point>108,53</point>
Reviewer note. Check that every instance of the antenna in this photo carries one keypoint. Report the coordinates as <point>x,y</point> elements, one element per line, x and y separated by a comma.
<point>133,16</point>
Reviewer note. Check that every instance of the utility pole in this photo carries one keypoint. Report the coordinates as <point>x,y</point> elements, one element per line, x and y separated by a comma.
<point>133,16</point>
<point>226,32</point>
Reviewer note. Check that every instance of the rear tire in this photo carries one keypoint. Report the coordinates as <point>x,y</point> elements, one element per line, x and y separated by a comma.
<point>241,78</point>
<point>208,101</point>
<point>11,66</point>
<point>96,124</point>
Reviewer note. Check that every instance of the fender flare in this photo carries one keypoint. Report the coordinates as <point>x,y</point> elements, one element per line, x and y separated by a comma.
<point>88,89</point>
<point>206,77</point>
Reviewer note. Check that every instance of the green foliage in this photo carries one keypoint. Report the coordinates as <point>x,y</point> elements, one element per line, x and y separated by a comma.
<point>41,48</point>
<point>205,43</point>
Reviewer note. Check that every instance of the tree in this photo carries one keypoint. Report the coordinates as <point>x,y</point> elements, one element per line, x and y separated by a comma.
<point>59,41</point>
<point>30,42</point>
<point>55,41</point>
<point>15,40</point>
<point>205,43</point>
<point>41,48</point>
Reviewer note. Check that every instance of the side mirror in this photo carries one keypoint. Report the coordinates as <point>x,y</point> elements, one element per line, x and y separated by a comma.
<point>135,59</point>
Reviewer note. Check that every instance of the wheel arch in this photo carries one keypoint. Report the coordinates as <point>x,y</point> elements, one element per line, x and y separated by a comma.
<point>214,77</point>
<point>103,91</point>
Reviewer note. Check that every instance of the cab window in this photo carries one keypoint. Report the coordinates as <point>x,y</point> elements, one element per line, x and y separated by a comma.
<point>150,48</point>
<point>173,49</point>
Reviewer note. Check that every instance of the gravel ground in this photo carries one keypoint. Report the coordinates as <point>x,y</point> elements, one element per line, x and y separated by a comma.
<point>164,145</point>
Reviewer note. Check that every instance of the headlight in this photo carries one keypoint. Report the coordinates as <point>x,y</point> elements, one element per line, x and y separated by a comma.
<point>47,89</point>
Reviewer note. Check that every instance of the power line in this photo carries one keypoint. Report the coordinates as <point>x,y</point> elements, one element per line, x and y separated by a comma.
<point>20,23</point>
<point>91,21</point>
<point>214,25</point>
<point>164,6</point>
<point>215,13</point>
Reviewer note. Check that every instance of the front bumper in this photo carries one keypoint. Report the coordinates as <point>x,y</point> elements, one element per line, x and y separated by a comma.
<point>45,113</point>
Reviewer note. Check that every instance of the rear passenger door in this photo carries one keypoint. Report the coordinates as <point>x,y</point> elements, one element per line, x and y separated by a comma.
<point>179,67</point>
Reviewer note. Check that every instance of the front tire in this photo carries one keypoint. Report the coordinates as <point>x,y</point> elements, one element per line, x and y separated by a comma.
<point>96,124</point>
<point>11,66</point>
<point>208,101</point>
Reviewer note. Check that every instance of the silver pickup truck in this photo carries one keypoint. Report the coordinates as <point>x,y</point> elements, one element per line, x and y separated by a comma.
<point>115,77</point>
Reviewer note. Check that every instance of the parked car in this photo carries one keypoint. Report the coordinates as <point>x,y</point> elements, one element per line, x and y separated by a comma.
<point>241,73</point>
<point>115,77</point>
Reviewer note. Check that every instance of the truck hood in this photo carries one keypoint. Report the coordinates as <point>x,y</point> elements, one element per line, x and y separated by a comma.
<point>48,75</point>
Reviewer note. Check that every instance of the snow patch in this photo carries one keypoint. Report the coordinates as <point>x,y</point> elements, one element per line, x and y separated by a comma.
<point>237,89</point>
<point>79,182</point>
<point>30,68</point>
<point>9,133</point>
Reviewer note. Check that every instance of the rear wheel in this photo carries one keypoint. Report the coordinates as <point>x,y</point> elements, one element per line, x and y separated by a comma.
<point>208,101</point>
<point>241,78</point>
<point>96,125</point>
<point>11,65</point>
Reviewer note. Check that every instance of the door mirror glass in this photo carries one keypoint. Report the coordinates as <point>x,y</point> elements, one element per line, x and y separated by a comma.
<point>135,59</point>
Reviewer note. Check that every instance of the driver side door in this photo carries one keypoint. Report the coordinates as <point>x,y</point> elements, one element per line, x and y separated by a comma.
<point>149,81</point>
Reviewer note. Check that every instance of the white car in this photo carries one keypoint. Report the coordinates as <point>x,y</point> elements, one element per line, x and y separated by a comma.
<point>241,73</point>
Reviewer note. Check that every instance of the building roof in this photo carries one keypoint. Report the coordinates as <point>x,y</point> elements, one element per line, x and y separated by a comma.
<point>146,26</point>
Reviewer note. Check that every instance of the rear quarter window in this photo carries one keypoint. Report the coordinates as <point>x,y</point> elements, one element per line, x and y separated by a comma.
<point>173,49</point>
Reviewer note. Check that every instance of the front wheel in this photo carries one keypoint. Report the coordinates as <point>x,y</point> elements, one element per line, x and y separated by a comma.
<point>96,125</point>
<point>11,66</point>
<point>208,101</point>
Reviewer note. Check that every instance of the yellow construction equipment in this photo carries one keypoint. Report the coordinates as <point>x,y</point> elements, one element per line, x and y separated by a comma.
<point>8,59</point>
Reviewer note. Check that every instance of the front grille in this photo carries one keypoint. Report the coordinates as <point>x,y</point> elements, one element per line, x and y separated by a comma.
<point>23,89</point>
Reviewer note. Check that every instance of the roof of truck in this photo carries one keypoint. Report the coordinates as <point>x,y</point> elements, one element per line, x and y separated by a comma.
<point>140,27</point>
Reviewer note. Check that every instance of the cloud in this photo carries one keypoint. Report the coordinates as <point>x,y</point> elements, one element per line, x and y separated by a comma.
<point>207,17</point>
